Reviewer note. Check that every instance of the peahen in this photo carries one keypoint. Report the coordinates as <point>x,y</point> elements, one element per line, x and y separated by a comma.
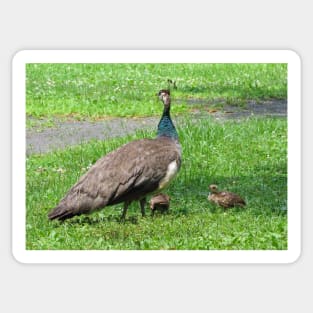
<point>127,174</point>
<point>225,199</point>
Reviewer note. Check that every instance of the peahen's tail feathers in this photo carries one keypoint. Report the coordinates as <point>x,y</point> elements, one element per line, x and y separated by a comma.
<point>61,212</point>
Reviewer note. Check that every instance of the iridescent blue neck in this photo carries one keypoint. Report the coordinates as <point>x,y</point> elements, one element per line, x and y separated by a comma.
<point>166,127</point>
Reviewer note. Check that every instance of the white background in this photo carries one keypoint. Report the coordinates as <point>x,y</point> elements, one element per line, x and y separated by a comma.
<point>154,25</point>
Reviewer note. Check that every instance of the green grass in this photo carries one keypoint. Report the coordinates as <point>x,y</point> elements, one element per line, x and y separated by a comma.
<point>101,90</point>
<point>247,157</point>
<point>40,124</point>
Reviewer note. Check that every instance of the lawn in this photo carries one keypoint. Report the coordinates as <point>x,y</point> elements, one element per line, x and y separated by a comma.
<point>93,91</point>
<point>247,157</point>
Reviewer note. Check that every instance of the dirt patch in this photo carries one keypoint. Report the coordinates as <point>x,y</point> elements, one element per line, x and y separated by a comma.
<point>67,133</point>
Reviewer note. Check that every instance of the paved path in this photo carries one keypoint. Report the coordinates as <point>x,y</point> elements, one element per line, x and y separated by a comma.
<point>76,132</point>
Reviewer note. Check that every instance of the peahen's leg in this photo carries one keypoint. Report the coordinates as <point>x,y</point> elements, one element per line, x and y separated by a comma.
<point>143,202</point>
<point>126,204</point>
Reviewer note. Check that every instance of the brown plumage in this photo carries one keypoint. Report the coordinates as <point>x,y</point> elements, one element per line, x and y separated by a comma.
<point>127,174</point>
<point>160,202</point>
<point>225,199</point>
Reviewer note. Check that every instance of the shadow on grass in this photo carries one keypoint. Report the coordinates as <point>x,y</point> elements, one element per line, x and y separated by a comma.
<point>264,194</point>
<point>234,92</point>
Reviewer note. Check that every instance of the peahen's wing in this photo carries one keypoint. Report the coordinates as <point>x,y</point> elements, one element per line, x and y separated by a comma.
<point>128,173</point>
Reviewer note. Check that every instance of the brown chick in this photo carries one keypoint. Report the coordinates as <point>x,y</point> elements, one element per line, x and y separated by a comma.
<point>160,202</point>
<point>225,199</point>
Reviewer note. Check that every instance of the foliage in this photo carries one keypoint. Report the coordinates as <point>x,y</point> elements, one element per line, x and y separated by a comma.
<point>248,157</point>
<point>101,90</point>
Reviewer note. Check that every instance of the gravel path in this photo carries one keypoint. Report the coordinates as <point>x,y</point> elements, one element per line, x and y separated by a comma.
<point>72,133</point>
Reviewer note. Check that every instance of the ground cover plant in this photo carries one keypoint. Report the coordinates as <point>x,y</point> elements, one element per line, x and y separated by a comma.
<point>100,90</point>
<point>247,157</point>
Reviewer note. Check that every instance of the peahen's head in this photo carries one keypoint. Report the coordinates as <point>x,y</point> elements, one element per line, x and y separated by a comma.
<point>164,95</point>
